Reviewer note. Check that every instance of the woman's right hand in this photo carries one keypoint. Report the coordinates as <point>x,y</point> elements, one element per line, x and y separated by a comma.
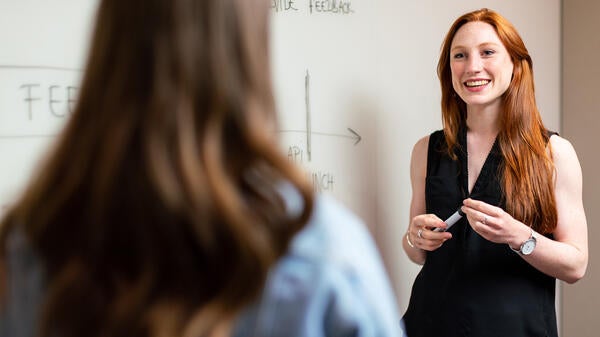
<point>420,232</point>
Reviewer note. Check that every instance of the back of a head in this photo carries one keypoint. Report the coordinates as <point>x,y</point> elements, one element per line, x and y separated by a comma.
<point>159,208</point>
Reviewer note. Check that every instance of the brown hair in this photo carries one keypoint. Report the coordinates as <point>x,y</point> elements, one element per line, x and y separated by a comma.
<point>162,197</point>
<point>527,172</point>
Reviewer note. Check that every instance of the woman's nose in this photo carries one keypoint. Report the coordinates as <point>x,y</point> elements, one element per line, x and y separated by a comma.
<point>474,64</point>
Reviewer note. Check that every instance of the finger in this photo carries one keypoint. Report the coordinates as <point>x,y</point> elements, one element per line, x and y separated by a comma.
<point>470,213</point>
<point>431,245</point>
<point>433,222</point>
<point>480,206</point>
<point>427,234</point>
<point>475,218</point>
<point>479,212</point>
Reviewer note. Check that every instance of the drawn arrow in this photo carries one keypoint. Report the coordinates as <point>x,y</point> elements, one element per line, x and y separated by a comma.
<point>309,132</point>
<point>356,136</point>
<point>352,135</point>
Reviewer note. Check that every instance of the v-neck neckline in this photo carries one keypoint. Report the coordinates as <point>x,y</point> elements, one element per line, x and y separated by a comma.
<point>485,171</point>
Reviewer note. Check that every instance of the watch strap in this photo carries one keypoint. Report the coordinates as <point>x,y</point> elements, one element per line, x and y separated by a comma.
<point>520,250</point>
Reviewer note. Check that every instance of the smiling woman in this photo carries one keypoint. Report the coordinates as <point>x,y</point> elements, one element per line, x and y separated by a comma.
<point>480,64</point>
<point>518,184</point>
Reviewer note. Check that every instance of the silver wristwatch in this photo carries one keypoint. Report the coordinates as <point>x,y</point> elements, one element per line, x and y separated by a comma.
<point>527,247</point>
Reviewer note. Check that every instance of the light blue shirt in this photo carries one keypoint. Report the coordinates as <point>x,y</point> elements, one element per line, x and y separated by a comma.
<point>330,283</point>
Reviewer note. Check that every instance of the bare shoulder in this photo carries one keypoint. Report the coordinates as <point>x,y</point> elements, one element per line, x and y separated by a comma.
<point>419,152</point>
<point>563,151</point>
<point>418,160</point>
<point>420,147</point>
<point>566,164</point>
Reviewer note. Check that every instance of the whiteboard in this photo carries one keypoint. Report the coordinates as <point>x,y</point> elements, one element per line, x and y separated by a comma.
<point>355,85</point>
<point>43,50</point>
<point>368,67</point>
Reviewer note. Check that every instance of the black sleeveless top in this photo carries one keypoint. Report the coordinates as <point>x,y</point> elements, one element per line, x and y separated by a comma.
<point>471,286</point>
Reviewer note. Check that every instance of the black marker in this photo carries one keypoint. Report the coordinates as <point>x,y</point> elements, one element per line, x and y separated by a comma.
<point>451,221</point>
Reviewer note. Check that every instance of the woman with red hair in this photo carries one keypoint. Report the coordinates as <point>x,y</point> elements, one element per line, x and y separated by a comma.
<point>515,187</point>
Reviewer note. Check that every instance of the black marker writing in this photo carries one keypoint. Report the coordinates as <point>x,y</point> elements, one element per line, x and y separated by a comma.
<point>331,6</point>
<point>283,5</point>
<point>29,98</point>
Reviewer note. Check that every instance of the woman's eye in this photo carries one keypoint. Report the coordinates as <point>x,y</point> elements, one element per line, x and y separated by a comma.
<point>488,52</point>
<point>458,55</point>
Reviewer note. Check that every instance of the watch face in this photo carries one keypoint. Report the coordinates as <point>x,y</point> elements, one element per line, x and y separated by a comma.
<point>528,247</point>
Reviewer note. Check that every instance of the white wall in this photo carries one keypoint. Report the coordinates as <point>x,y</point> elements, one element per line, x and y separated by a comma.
<point>375,71</point>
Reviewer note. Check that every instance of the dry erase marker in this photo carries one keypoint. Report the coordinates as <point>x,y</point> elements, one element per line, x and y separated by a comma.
<point>451,221</point>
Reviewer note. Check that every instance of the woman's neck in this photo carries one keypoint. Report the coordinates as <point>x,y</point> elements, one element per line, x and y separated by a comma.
<point>484,120</point>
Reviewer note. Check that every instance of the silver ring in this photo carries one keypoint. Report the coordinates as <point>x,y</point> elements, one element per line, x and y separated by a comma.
<point>419,233</point>
<point>484,221</point>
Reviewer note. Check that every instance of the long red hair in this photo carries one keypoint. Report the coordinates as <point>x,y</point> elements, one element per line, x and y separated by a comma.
<point>527,173</point>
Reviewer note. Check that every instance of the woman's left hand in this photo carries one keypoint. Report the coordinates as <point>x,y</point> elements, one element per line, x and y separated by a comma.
<point>494,224</point>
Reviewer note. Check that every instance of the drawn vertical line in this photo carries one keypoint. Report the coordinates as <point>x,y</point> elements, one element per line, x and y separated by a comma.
<point>308,126</point>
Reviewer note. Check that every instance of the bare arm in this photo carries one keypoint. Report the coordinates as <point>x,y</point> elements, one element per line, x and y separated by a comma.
<point>566,256</point>
<point>419,221</point>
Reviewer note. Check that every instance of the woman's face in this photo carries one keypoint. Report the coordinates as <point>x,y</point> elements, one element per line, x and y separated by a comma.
<point>480,64</point>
